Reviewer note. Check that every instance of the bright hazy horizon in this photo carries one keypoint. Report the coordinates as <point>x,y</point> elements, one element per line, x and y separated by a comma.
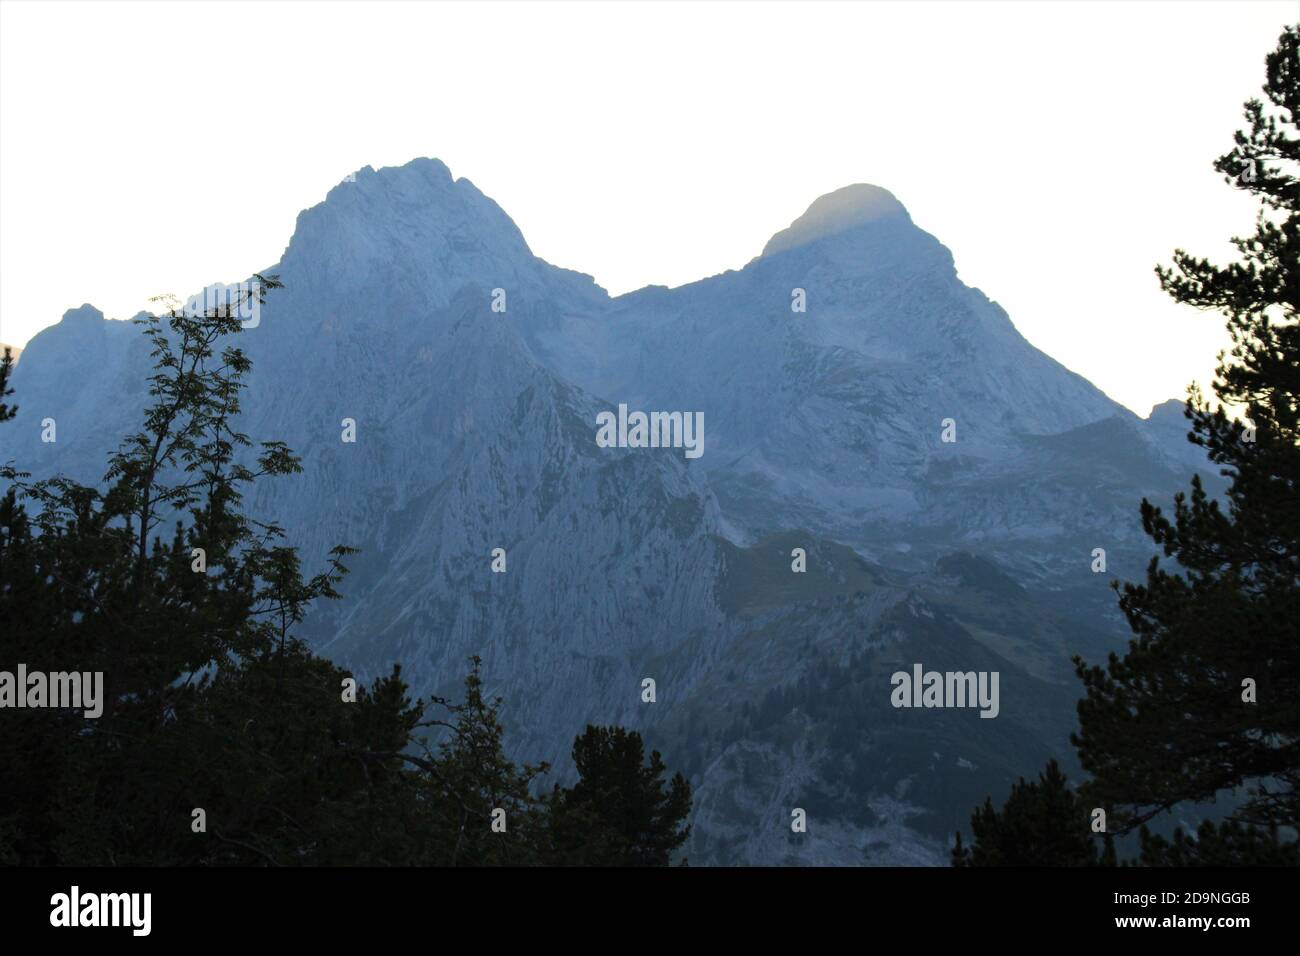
<point>1060,150</point>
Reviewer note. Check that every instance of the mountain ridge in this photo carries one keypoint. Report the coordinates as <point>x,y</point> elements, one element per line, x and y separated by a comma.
<point>475,429</point>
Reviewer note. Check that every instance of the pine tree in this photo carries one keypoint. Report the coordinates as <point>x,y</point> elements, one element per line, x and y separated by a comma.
<point>6,369</point>
<point>1042,823</point>
<point>1225,844</point>
<point>478,786</point>
<point>1207,697</point>
<point>642,814</point>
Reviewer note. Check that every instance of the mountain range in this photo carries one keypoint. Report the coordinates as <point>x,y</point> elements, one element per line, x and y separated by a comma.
<point>947,483</point>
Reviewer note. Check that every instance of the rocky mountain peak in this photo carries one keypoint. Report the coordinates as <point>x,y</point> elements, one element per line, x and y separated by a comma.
<point>838,212</point>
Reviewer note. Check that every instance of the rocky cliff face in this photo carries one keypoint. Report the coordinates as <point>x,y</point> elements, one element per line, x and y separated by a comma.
<point>474,373</point>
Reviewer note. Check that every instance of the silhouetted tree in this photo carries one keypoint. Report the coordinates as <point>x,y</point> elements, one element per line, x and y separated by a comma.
<point>477,785</point>
<point>1226,844</point>
<point>1207,697</point>
<point>211,703</point>
<point>6,369</point>
<point>1042,823</point>
<point>642,817</point>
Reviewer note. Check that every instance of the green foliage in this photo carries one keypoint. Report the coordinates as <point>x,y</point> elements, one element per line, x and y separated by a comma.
<point>1167,722</point>
<point>1043,823</point>
<point>642,818</point>
<point>1226,844</point>
<point>474,778</point>
<point>6,369</point>
<point>211,702</point>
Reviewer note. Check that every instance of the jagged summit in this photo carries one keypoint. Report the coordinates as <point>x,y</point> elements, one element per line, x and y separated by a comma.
<point>415,225</point>
<point>417,207</point>
<point>84,315</point>
<point>473,429</point>
<point>838,212</point>
<point>1167,412</point>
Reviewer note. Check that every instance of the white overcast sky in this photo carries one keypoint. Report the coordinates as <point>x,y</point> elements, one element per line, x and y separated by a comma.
<point>1060,150</point>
